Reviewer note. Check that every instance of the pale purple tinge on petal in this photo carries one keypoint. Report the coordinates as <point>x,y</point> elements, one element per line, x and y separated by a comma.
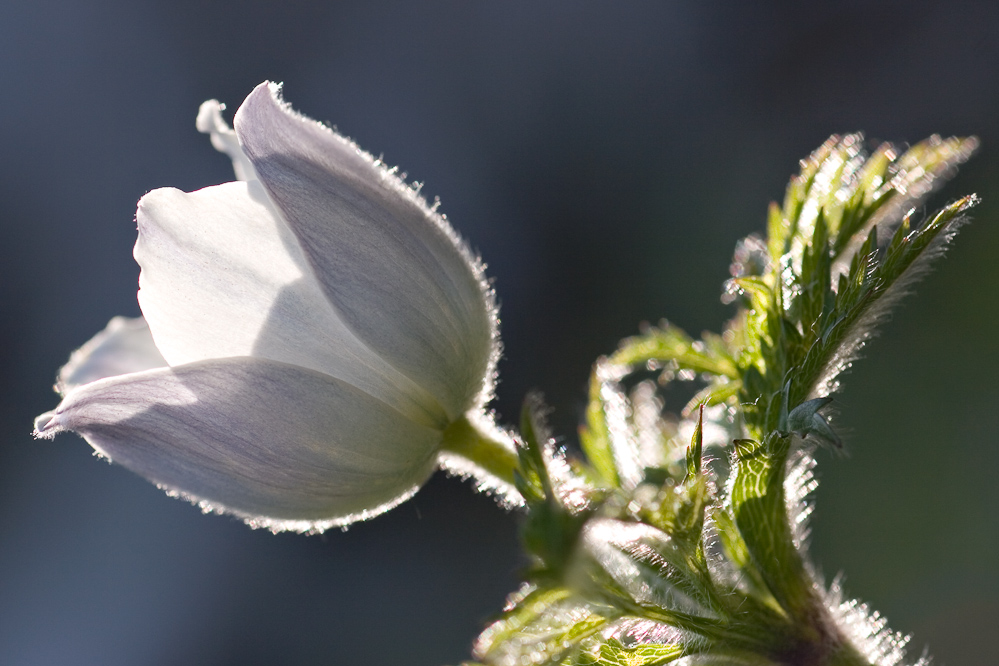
<point>224,139</point>
<point>394,269</point>
<point>124,346</point>
<point>222,275</point>
<point>284,446</point>
<point>308,334</point>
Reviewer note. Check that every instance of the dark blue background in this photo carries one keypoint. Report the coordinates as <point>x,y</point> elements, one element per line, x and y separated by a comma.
<point>604,158</point>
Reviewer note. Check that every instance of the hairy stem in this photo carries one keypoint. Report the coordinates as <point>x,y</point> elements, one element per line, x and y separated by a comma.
<point>484,445</point>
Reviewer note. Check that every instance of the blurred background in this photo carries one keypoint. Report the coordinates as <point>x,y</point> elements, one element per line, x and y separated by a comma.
<point>604,158</point>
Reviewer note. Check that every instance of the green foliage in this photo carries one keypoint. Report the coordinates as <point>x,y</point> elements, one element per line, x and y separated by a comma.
<point>685,535</point>
<point>613,653</point>
<point>543,626</point>
<point>758,504</point>
<point>826,279</point>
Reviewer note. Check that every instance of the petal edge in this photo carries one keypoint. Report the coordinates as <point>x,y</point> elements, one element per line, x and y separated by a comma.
<point>396,271</point>
<point>273,443</point>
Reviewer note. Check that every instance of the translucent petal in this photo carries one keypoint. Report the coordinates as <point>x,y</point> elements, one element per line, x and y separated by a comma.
<point>262,439</point>
<point>223,276</point>
<point>124,346</point>
<point>395,270</point>
<point>210,122</point>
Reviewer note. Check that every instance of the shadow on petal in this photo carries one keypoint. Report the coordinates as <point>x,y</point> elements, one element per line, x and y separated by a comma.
<point>268,441</point>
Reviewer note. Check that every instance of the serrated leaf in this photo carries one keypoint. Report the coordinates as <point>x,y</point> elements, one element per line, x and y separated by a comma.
<point>613,653</point>
<point>594,437</point>
<point>531,477</point>
<point>670,343</point>
<point>829,282</point>
<point>610,441</point>
<point>713,394</point>
<point>623,434</point>
<point>652,567</point>
<point>760,510</point>
<point>544,626</point>
<point>558,498</point>
<point>737,552</point>
<point>841,248</point>
<point>915,174</point>
<point>696,448</point>
<point>871,288</point>
<point>544,471</point>
<point>854,193</point>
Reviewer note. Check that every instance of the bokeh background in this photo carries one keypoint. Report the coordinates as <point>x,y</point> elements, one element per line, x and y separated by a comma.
<point>604,157</point>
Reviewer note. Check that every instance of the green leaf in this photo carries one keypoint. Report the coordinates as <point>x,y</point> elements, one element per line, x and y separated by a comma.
<point>828,282</point>
<point>558,498</point>
<point>760,511</point>
<point>534,450</point>
<point>595,436</point>
<point>543,626</point>
<point>670,343</point>
<point>650,566</point>
<point>806,421</point>
<point>620,540</point>
<point>715,393</point>
<point>624,434</point>
<point>613,653</point>
<point>853,192</point>
<point>874,283</point>
<point>695,450</point>
<point>891,184</point>
<point>737,552</point>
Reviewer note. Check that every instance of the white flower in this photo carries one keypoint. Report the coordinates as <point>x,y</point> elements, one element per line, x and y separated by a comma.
<point>309,332</point>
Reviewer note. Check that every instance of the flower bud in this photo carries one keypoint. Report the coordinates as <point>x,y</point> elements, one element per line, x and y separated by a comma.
<point>310,331</point>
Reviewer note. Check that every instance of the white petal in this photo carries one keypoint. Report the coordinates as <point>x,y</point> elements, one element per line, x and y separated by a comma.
<point>258,438</point>
<point>210,122</point>
<point>395,270</point>
<point>124,346</point>
<point>223,276</point>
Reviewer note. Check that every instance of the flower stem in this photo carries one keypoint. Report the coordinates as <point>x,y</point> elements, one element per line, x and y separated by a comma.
<point>489,449</point>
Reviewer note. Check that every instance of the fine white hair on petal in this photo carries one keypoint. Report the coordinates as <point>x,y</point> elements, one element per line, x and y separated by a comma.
<point>224,139</point>
<point>310,527</point>
<point>125,345</point>
<point>372,239</point>
<point>275,443</point>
